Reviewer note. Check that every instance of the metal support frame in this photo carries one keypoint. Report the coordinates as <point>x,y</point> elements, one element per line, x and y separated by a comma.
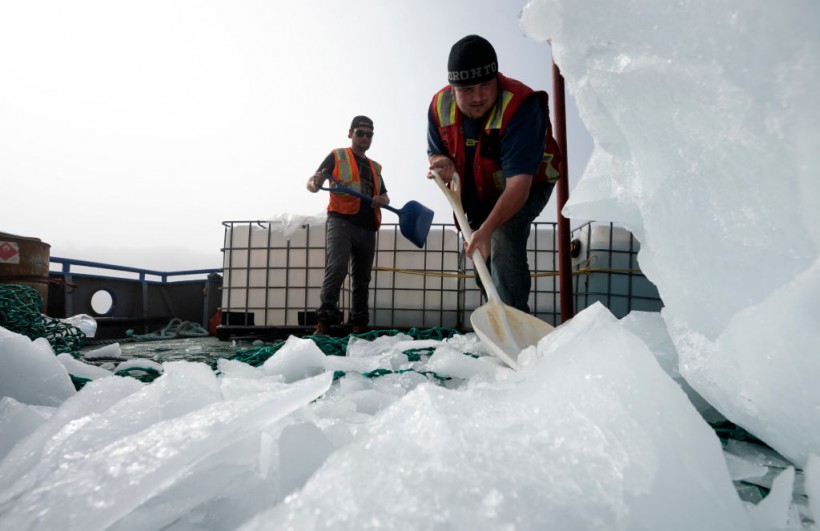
<point>564,258</point>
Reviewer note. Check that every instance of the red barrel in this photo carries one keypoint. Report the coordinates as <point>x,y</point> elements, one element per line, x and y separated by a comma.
<point>25,261</point>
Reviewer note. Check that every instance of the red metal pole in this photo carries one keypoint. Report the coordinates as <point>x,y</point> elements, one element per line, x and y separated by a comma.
<point>564,258</point>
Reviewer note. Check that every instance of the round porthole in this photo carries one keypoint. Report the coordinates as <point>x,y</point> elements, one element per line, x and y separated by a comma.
<point>102,302</point>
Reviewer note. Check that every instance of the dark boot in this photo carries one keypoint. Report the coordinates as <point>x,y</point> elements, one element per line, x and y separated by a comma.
<point>358,326</point>
<point>322,328</point>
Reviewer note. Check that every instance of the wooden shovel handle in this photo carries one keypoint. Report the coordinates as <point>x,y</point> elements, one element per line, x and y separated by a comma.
<point>455,203</point>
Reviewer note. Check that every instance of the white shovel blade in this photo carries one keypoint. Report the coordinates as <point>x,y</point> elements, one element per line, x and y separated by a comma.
<point>507,343</point>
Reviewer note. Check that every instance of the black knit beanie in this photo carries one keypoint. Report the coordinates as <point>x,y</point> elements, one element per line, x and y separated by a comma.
<point>472,60</point>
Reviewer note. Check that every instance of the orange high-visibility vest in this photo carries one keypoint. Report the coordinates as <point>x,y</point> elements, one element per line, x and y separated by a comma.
<point>346,171</point>
<point>489,179</point>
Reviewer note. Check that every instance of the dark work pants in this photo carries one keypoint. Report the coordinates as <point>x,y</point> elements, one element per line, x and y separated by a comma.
<point>508,248</point>
<point>347,244</point>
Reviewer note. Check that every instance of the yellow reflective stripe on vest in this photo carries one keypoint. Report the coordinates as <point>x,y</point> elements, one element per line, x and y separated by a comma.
<point>446,108</point>
<point>378,181</point>
<point>552,173</point>
<point>344,165</point>
<point>497,115</point>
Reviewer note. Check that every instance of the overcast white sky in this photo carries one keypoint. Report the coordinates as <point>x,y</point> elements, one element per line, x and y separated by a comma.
<point>130,130</point>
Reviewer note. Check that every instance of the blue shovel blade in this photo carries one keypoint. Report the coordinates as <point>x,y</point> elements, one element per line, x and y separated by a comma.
<point>414,222</point>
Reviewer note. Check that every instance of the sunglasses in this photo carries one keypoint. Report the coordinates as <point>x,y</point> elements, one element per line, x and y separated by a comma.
<point>360,134</point>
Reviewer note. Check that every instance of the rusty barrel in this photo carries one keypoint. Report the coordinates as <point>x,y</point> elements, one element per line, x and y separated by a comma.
<point>25,260</point>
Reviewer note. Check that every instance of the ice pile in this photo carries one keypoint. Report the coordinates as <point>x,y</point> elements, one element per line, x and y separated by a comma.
<point>706,135</point>
<point>592,430</point>
<point>706,147</point>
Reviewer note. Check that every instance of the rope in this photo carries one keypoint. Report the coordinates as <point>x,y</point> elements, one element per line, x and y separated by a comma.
<point>176,328</point>
<point>422,272</point>
<point>189,329</point>
<point>584,269</point>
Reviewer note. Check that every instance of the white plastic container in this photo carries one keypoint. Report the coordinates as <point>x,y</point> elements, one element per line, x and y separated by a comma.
<point>610,253</point>
<point>271,277</point>
<point>273,274</point>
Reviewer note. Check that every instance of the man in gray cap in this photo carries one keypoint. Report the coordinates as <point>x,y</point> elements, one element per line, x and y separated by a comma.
<point>495,132</point>
<point>351,226</point>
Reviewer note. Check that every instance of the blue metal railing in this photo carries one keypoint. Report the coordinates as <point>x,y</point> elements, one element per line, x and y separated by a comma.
<point>67,264</point>
<point>81,280</point>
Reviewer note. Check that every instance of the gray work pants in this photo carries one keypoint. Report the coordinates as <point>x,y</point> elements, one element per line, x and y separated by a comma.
<point>347,244</point>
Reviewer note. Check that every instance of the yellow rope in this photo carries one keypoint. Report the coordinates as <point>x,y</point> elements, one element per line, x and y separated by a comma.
<point>584,269</point>
<point>423,272</point>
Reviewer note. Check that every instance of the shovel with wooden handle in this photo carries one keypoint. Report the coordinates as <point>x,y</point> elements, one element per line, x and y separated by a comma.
<point>504,329</point>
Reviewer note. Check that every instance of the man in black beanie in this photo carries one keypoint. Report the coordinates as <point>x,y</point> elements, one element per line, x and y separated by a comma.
<point>351,227</point>
<point>495,132</point>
